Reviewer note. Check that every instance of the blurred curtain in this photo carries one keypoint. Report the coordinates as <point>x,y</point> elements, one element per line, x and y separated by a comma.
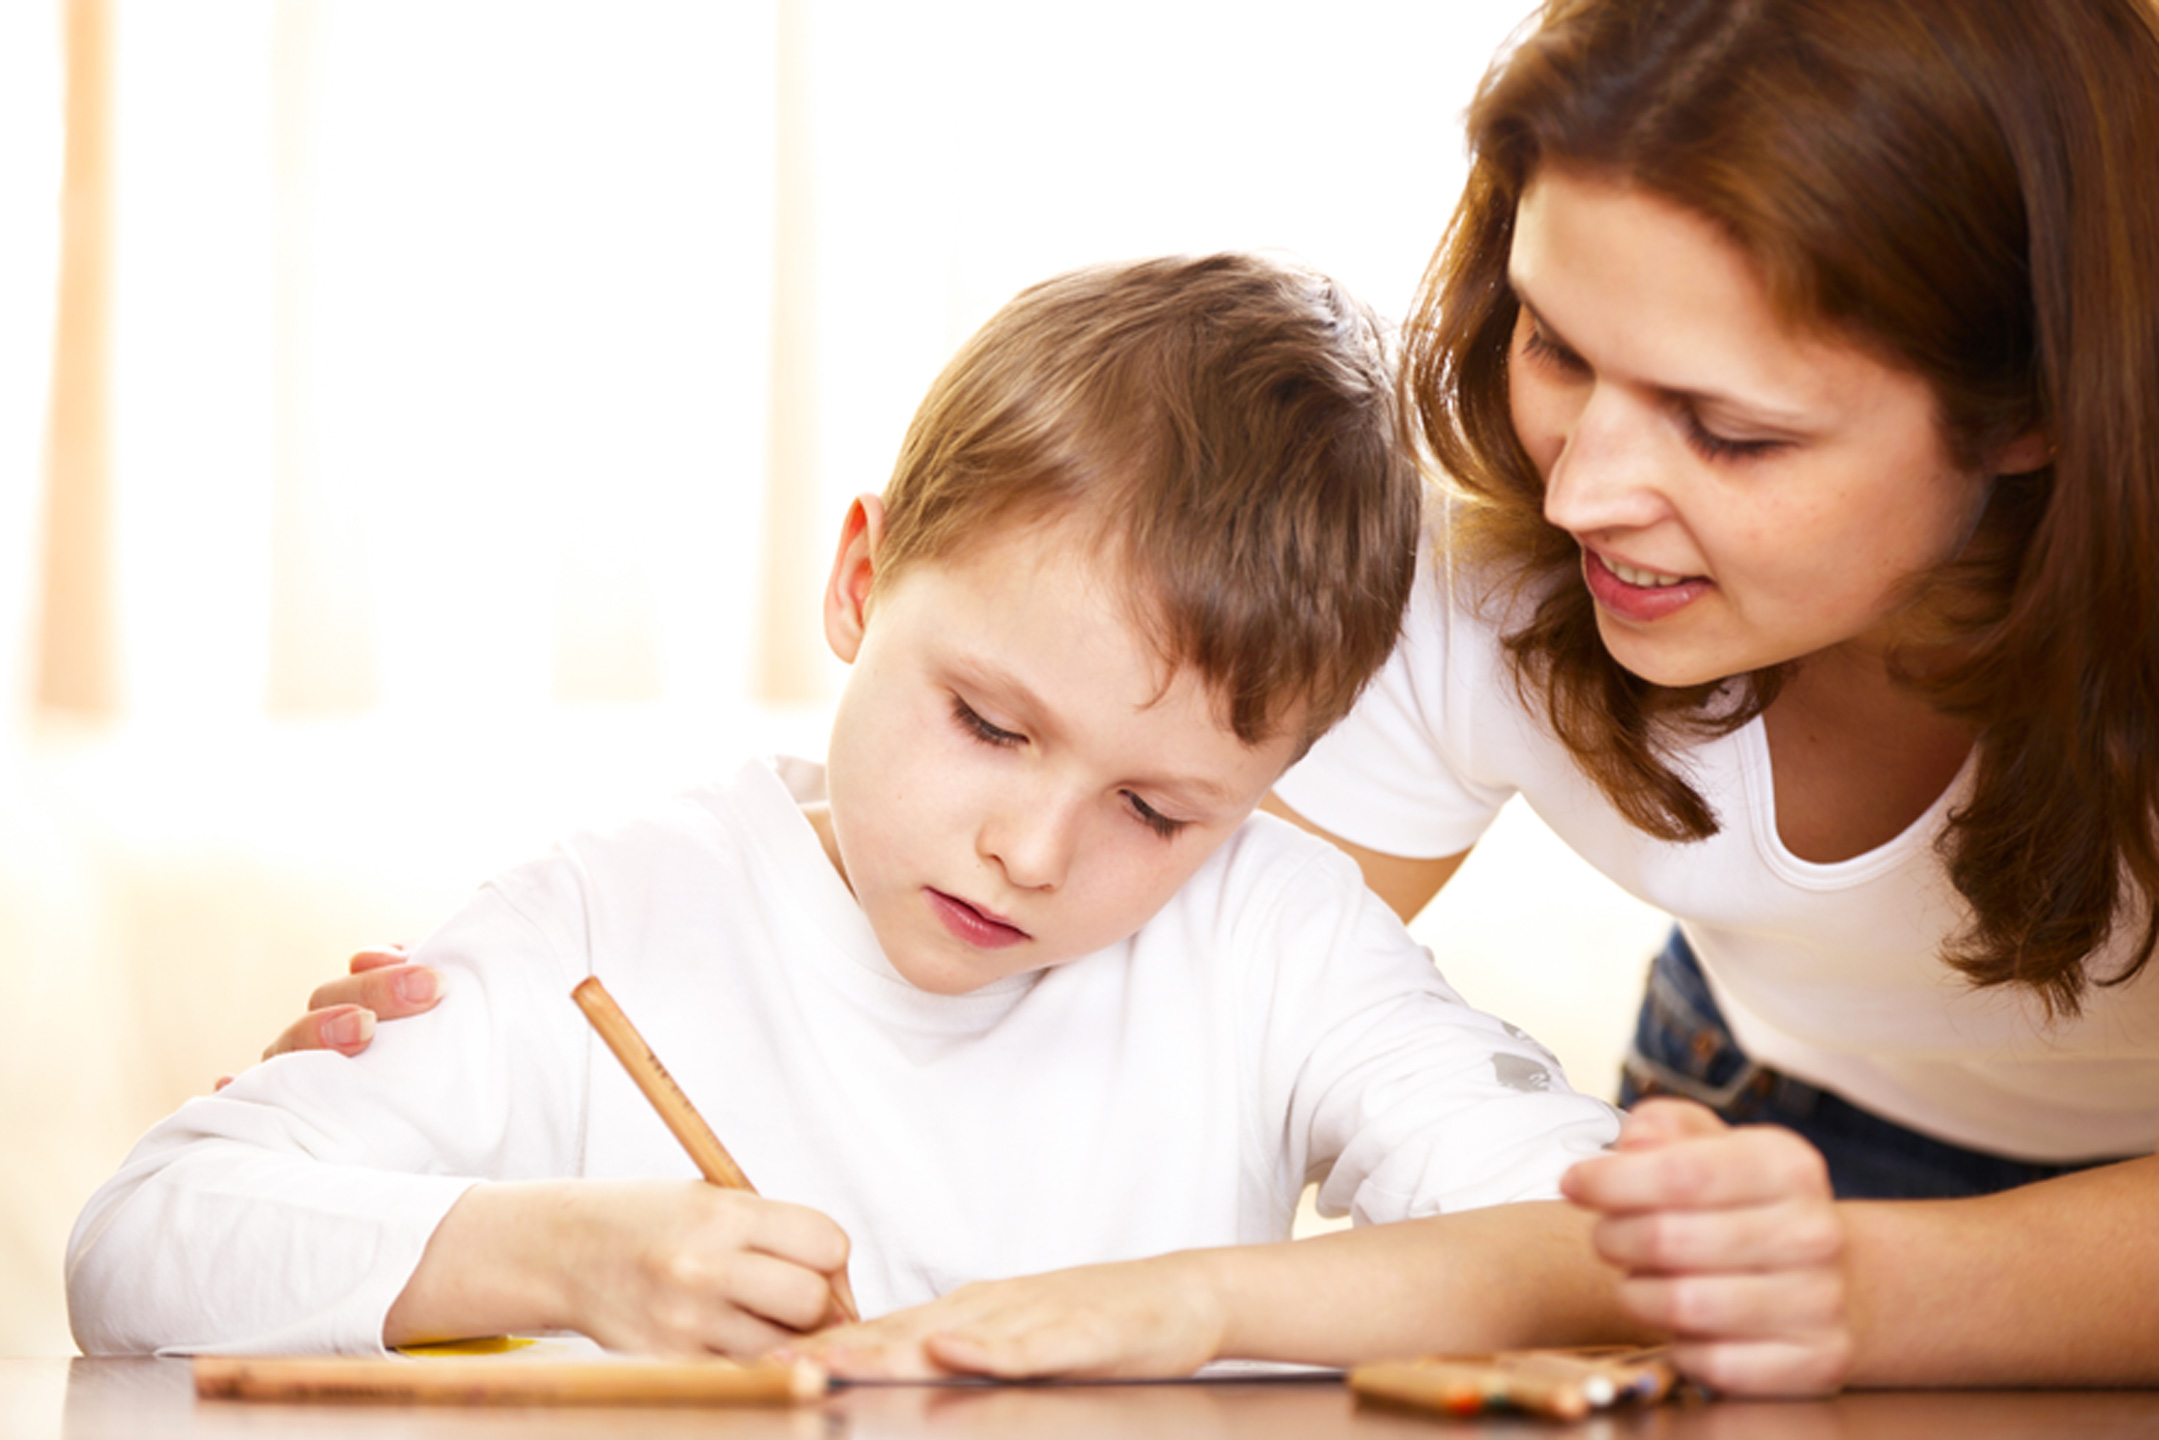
<point>419,356</point>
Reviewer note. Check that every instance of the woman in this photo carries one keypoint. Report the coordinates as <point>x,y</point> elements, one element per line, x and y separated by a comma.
<point>1797,364</point>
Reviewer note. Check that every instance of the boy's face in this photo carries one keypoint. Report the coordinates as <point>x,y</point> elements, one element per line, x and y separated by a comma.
<point>1011,784</point>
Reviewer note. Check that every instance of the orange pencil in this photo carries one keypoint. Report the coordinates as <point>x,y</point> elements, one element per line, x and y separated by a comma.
<point>713,1162</point>
<point>493,1381</point>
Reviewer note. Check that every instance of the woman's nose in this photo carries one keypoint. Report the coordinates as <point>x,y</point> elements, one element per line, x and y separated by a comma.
<point>1608,474</point>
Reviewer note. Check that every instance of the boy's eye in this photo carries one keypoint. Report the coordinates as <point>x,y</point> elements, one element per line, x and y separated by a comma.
<point>1152,818</point>
<point>981,729</point>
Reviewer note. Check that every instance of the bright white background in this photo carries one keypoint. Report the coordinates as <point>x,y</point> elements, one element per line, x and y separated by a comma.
<point>487,376</point>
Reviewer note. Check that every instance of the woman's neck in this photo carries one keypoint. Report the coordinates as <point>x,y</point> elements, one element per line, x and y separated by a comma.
<point>1855,755</point>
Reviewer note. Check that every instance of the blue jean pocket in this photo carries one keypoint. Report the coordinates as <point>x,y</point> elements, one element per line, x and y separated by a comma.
<point>1682,1046</point>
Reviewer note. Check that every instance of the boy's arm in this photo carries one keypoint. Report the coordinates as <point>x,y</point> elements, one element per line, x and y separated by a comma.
<point>1495,1278</point>
<point>288,1211</point>
<point>670,1267</point>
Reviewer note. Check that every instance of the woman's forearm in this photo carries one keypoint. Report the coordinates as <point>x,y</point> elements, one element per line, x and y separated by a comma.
<point>2051,1284</point>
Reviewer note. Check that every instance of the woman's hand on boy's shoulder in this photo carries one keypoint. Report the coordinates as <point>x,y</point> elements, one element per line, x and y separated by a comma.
<point>1136,1319</point>
<point>380,984</point>
<point>1731,1241</point>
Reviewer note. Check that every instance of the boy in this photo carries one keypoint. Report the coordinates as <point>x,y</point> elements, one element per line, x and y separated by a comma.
<point>1015,985</point>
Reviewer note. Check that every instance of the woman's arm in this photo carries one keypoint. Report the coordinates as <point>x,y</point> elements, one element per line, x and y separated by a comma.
<point>1500,1277</point>
<point>1406,885</point>
<point>2050,1284</point>
<point>1731,1240</point>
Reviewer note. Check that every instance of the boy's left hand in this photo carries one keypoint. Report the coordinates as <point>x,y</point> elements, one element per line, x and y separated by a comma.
<point>1731,1241</point>
<point>1144,1318</point>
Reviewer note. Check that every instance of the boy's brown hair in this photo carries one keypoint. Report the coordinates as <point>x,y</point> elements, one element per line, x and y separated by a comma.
<point>1225,430</point>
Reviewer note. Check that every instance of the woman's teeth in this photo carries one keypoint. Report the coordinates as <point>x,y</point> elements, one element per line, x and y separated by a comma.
<point>1647,579</point>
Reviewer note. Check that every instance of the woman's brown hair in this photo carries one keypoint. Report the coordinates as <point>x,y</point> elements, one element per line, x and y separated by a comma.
<point>1969,188</point>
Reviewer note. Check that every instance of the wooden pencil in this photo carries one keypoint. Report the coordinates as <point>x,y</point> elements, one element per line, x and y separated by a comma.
<point>1470,1385</point>
<point>681,1117</point>
<point>1563,1384</point>
<point>509,1381</point>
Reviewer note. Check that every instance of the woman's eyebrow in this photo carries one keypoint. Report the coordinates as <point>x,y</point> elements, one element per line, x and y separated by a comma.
<point>1756,410</point>
<point>1544,327</point>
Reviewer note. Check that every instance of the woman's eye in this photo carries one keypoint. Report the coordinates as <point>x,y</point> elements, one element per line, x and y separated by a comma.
<point>1550,353</point>
<point>1152,818</point>
<point>1711,446</point>
<point>981,729</point>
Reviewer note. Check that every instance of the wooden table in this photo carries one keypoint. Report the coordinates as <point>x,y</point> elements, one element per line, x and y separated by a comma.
<point>154,1400</point>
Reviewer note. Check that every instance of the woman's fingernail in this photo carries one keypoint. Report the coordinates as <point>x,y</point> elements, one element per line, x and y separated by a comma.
<point>354,1027</point>
<point>416,987</point>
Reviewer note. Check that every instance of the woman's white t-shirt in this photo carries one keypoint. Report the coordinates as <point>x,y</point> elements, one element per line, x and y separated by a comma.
<point>1830,973</point>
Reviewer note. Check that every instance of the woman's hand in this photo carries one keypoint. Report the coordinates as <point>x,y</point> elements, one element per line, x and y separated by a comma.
<point>660,1267</point>
<point>1144,1318</point>
<point>381,985</point>
<point>1731,1241</point>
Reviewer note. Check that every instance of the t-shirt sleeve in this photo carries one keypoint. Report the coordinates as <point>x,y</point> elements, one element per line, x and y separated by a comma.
<point>286,1213</point>
<point>1402,774</point>
<point>1401,1099</point>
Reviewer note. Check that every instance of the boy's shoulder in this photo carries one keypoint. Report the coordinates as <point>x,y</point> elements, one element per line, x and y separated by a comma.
<point>746,822</point>
<point>1267,874</point>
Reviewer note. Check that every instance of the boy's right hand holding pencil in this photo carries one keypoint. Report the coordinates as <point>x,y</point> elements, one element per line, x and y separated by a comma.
<point>661,1267</point>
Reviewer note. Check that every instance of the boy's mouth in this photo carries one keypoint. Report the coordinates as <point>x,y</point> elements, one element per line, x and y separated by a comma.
<point>975,927</point>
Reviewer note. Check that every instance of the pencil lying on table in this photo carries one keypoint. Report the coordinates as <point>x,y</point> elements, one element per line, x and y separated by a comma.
<point>713,1162</point>
<point>490,1380</point>
<point>1560,1384</point>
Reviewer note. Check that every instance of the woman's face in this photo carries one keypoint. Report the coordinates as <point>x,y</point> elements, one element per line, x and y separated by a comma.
<point>1744,493</point>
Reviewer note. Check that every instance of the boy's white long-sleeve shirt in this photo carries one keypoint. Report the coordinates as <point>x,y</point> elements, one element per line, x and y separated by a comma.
<point>1273,1022</point>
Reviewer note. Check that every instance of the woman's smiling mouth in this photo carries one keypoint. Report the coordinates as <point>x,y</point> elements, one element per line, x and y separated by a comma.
<point>1633,593</point>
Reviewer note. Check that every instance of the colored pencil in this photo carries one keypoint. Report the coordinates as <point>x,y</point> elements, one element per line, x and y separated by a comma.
<point>510,1381</point>
<point>1560,1384</point>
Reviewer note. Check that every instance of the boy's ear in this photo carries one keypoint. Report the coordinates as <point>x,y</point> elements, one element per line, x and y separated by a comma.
<point>854,569</point>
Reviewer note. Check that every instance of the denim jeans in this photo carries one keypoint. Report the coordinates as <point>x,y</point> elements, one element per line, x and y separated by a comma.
<point>1683,1047</point>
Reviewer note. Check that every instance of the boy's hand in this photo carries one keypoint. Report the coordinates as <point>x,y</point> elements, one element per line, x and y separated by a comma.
<point>1732,1241</point>
<point>686,1268</point>
<point>1144,1318</point>
<point>660,1267</point>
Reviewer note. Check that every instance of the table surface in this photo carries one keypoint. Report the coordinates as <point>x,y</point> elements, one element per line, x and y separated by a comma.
<point>153,1399</point>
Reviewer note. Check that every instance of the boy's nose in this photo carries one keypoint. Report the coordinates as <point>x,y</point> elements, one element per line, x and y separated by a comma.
<point>1606,474</point>
<point>1031,840</point>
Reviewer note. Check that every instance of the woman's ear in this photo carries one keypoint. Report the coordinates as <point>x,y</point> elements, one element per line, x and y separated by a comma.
<point>854,570</point>
<point>2024,454</point>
